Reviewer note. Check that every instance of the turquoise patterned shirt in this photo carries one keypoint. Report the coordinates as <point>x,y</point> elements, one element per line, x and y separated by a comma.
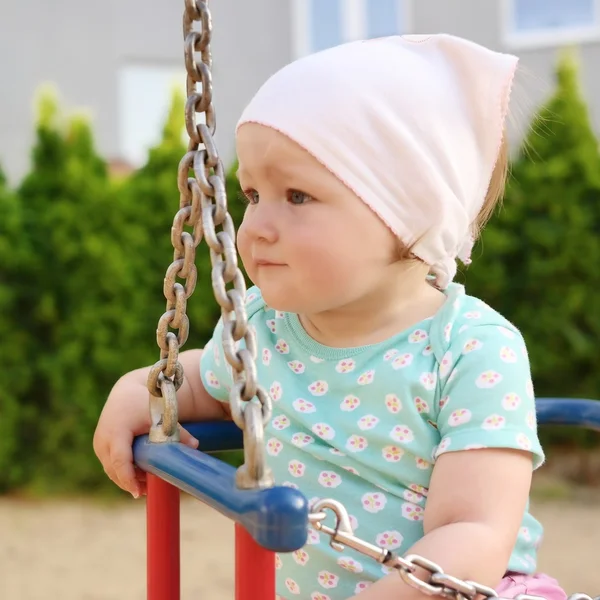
<point>365,426</point>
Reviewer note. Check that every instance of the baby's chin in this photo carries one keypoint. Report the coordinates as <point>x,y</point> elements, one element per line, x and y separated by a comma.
<point>294,301</point>
<point>281,300</point>
<point>280,297</point>
<point>300,295</point>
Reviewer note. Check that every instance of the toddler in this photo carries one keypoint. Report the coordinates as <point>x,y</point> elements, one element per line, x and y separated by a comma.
<point>368,170</point>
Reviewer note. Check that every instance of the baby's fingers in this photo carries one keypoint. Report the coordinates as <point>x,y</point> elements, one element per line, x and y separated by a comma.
<point>185,437</point>
<point>121,462</point>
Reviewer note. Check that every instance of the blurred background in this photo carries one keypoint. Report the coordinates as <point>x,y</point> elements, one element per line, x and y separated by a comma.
<point>91,133</point>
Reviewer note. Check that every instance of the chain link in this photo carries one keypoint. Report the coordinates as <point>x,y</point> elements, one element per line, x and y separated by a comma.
<point>438,583</point>
<point>203,209</point>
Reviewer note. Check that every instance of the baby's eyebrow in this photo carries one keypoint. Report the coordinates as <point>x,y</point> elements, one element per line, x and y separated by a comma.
<point>263,170</point>
<point>247,173</point>
<point>272,170</point>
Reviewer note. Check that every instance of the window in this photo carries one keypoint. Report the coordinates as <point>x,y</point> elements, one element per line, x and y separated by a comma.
<point>321,24</point>
<point>383,18</point>
<point>145,94</point>
<point>551,22</point>
<point>325,18</point>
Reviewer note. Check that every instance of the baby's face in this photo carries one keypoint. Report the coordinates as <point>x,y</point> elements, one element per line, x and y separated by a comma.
<point>306,240</point>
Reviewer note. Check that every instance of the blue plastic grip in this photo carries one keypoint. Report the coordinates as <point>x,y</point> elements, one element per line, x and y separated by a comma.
<point>217,436</point>
<point>578,412</point>
<point>277,518</point>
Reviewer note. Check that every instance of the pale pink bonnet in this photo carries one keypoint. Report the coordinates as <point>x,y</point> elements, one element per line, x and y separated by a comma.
<point>411,124</point>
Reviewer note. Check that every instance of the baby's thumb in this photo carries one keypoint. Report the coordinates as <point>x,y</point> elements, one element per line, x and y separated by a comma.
<point>185,437</point>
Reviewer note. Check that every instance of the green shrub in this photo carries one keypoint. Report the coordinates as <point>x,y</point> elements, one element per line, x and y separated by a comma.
<point>537,260</point>
<point>70,280</point>
<point>82,265</point>
<point>14,341</point>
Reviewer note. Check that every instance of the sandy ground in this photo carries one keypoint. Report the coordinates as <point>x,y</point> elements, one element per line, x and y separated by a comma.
<point>79,550</point>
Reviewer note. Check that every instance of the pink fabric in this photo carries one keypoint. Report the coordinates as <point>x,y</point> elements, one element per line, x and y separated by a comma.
<point>411,124</point>
<point>514,584</point>
<point>539,584</point>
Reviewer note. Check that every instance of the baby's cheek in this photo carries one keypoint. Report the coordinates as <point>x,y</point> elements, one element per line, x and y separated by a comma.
<point>243,244</point>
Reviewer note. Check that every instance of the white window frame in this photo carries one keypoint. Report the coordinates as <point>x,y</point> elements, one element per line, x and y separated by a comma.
<point>353,22</point>
<point>539,39</point>
<point>135,138</point>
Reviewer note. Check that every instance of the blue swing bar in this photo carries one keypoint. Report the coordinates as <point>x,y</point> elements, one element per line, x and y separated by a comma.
<point>578,412</point>
<point>276,518</point>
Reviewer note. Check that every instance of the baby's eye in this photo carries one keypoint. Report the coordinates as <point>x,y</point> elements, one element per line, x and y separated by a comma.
<point>251,196</point>
<point>297,197</point>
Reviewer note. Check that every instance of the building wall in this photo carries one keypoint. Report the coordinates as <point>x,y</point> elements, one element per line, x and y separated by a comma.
<point>90,53</point>
<point>97,55</point>
<point>59,42</point>
<point>483,22</point>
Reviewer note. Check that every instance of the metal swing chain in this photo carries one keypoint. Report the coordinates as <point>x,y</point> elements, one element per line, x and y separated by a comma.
<point>203,208</point>
<point>438,582</point>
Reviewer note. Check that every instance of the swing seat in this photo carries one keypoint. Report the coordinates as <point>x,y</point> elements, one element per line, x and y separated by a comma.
<point>277,518</point>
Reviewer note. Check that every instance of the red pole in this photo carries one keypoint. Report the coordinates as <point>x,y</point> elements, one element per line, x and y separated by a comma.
<point>254,568</point>
<point>162,522</point>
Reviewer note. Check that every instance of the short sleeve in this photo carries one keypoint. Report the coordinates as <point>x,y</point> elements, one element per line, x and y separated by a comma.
<point>486,393</point>
<point>215,371</point>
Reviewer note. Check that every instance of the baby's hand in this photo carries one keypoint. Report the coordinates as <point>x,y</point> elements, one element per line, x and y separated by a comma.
<point>125,415</point>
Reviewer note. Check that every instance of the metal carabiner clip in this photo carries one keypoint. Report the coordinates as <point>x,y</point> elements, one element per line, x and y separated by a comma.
<point>342,521</point>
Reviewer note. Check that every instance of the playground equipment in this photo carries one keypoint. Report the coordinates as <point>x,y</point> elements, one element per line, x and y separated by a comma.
<point>267,518</point>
